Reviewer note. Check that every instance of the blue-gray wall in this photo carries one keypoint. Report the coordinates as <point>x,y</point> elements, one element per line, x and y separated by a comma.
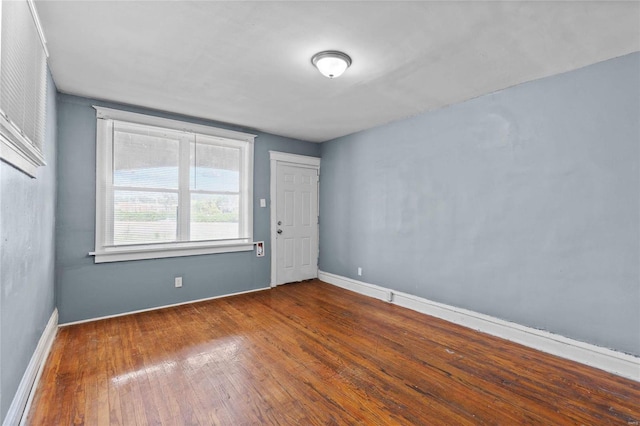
<point>88,290</point>
<point>522,204</point>
<point>27,229</point>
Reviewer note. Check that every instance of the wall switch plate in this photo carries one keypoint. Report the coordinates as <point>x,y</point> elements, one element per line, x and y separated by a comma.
<point>263,202</point>
<point>178,282</point>
<point>359,271</point>
<point>260,248</point>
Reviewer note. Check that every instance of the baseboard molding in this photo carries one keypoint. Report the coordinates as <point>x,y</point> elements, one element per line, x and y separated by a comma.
<point>188,302</point>
<point>595,356</point>
<point>24,394</point>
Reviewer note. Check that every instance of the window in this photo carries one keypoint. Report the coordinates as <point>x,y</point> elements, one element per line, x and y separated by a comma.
<point>23,86</point>
<point>167,188</point>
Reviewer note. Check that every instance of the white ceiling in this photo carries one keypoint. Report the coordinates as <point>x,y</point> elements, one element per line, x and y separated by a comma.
<point>248,63</point>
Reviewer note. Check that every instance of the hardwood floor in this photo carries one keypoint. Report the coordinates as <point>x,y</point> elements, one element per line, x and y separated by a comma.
<point>312,353</point>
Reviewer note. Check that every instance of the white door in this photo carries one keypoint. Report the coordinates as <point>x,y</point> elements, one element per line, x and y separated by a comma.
<point>296,223</point>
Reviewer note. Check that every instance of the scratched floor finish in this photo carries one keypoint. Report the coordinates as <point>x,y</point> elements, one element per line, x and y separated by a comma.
<point>311,353</point>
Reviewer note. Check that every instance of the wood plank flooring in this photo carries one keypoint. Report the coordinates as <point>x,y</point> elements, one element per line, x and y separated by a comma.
<point>311,353</point>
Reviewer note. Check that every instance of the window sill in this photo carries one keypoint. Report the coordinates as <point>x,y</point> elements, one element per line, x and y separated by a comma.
<point>140,252</point>
<point>16,150</point>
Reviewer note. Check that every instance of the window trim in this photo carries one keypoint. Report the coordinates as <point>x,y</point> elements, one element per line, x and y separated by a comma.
<point>104,154</point>
<point>15,147</point>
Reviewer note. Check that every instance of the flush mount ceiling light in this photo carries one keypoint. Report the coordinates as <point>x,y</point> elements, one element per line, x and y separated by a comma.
<point>331,63</point>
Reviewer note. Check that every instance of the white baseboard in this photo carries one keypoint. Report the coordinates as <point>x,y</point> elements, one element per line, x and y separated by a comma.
<point>595,356</point>
<point>24,394</point>
<point>161,307</point>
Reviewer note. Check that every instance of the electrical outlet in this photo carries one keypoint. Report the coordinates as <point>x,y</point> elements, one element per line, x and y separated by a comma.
<point>178,282</point>
<point>359,271</point>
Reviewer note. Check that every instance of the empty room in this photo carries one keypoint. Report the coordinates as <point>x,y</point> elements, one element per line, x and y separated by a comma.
<point>319,212</point>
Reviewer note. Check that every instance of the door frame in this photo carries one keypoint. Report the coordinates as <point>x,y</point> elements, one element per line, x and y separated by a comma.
<point>276,158</point>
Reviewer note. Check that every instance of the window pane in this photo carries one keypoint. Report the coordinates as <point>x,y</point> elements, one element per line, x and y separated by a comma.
<point>214,168</point>
<point>214,217</point>
<point>144,217</point>
<point>147,159</point>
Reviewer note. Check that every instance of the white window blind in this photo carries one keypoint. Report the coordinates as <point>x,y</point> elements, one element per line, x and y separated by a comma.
<point>23,86</point>
<point>162,190</point>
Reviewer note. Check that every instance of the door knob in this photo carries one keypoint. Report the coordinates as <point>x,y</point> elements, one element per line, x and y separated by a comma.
<point>279,222</point>
<point>279,231</point>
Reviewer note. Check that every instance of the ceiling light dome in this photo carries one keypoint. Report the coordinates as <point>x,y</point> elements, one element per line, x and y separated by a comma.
<point>331,63</point>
